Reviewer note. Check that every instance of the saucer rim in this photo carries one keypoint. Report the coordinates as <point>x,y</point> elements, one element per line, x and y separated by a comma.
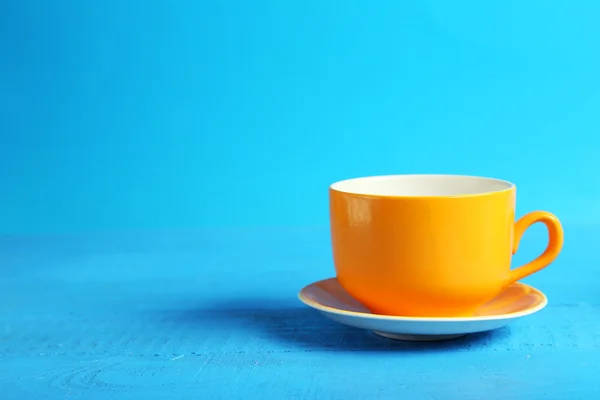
<point>518,314</point>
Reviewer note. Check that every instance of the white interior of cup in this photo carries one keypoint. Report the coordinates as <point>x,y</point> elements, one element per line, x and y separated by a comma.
<point>421,185</point>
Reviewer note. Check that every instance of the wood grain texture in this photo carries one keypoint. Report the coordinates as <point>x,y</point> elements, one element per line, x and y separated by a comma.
<point>214,315</point>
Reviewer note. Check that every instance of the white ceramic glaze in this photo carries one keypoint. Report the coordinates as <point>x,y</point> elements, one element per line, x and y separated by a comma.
<point>328,297</point>
<point>421,185</point>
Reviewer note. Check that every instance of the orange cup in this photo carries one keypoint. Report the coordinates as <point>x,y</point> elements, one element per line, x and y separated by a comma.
<point>430,245</point>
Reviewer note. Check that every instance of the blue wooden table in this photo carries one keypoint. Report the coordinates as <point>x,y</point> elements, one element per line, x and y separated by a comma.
<point>214,315</point>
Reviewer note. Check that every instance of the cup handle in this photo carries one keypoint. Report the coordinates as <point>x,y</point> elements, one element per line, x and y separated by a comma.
<point>555,243</point>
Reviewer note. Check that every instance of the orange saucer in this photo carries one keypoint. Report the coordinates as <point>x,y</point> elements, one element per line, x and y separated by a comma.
<point>328,297</point>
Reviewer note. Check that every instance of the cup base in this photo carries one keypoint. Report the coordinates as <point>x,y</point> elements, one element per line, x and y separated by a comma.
<point>417,338</point>
<point>431,312</point>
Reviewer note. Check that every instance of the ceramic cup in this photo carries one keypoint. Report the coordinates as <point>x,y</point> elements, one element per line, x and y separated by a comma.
<point>430,245</point>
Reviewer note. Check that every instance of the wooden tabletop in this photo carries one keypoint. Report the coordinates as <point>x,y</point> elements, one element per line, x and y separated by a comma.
<point>214,315</point>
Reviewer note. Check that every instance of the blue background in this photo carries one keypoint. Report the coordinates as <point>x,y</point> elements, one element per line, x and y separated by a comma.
<point>206,132</point>
<point>134,115</point>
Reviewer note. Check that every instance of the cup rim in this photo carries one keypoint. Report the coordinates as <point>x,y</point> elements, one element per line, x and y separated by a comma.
<point>508,186</point>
